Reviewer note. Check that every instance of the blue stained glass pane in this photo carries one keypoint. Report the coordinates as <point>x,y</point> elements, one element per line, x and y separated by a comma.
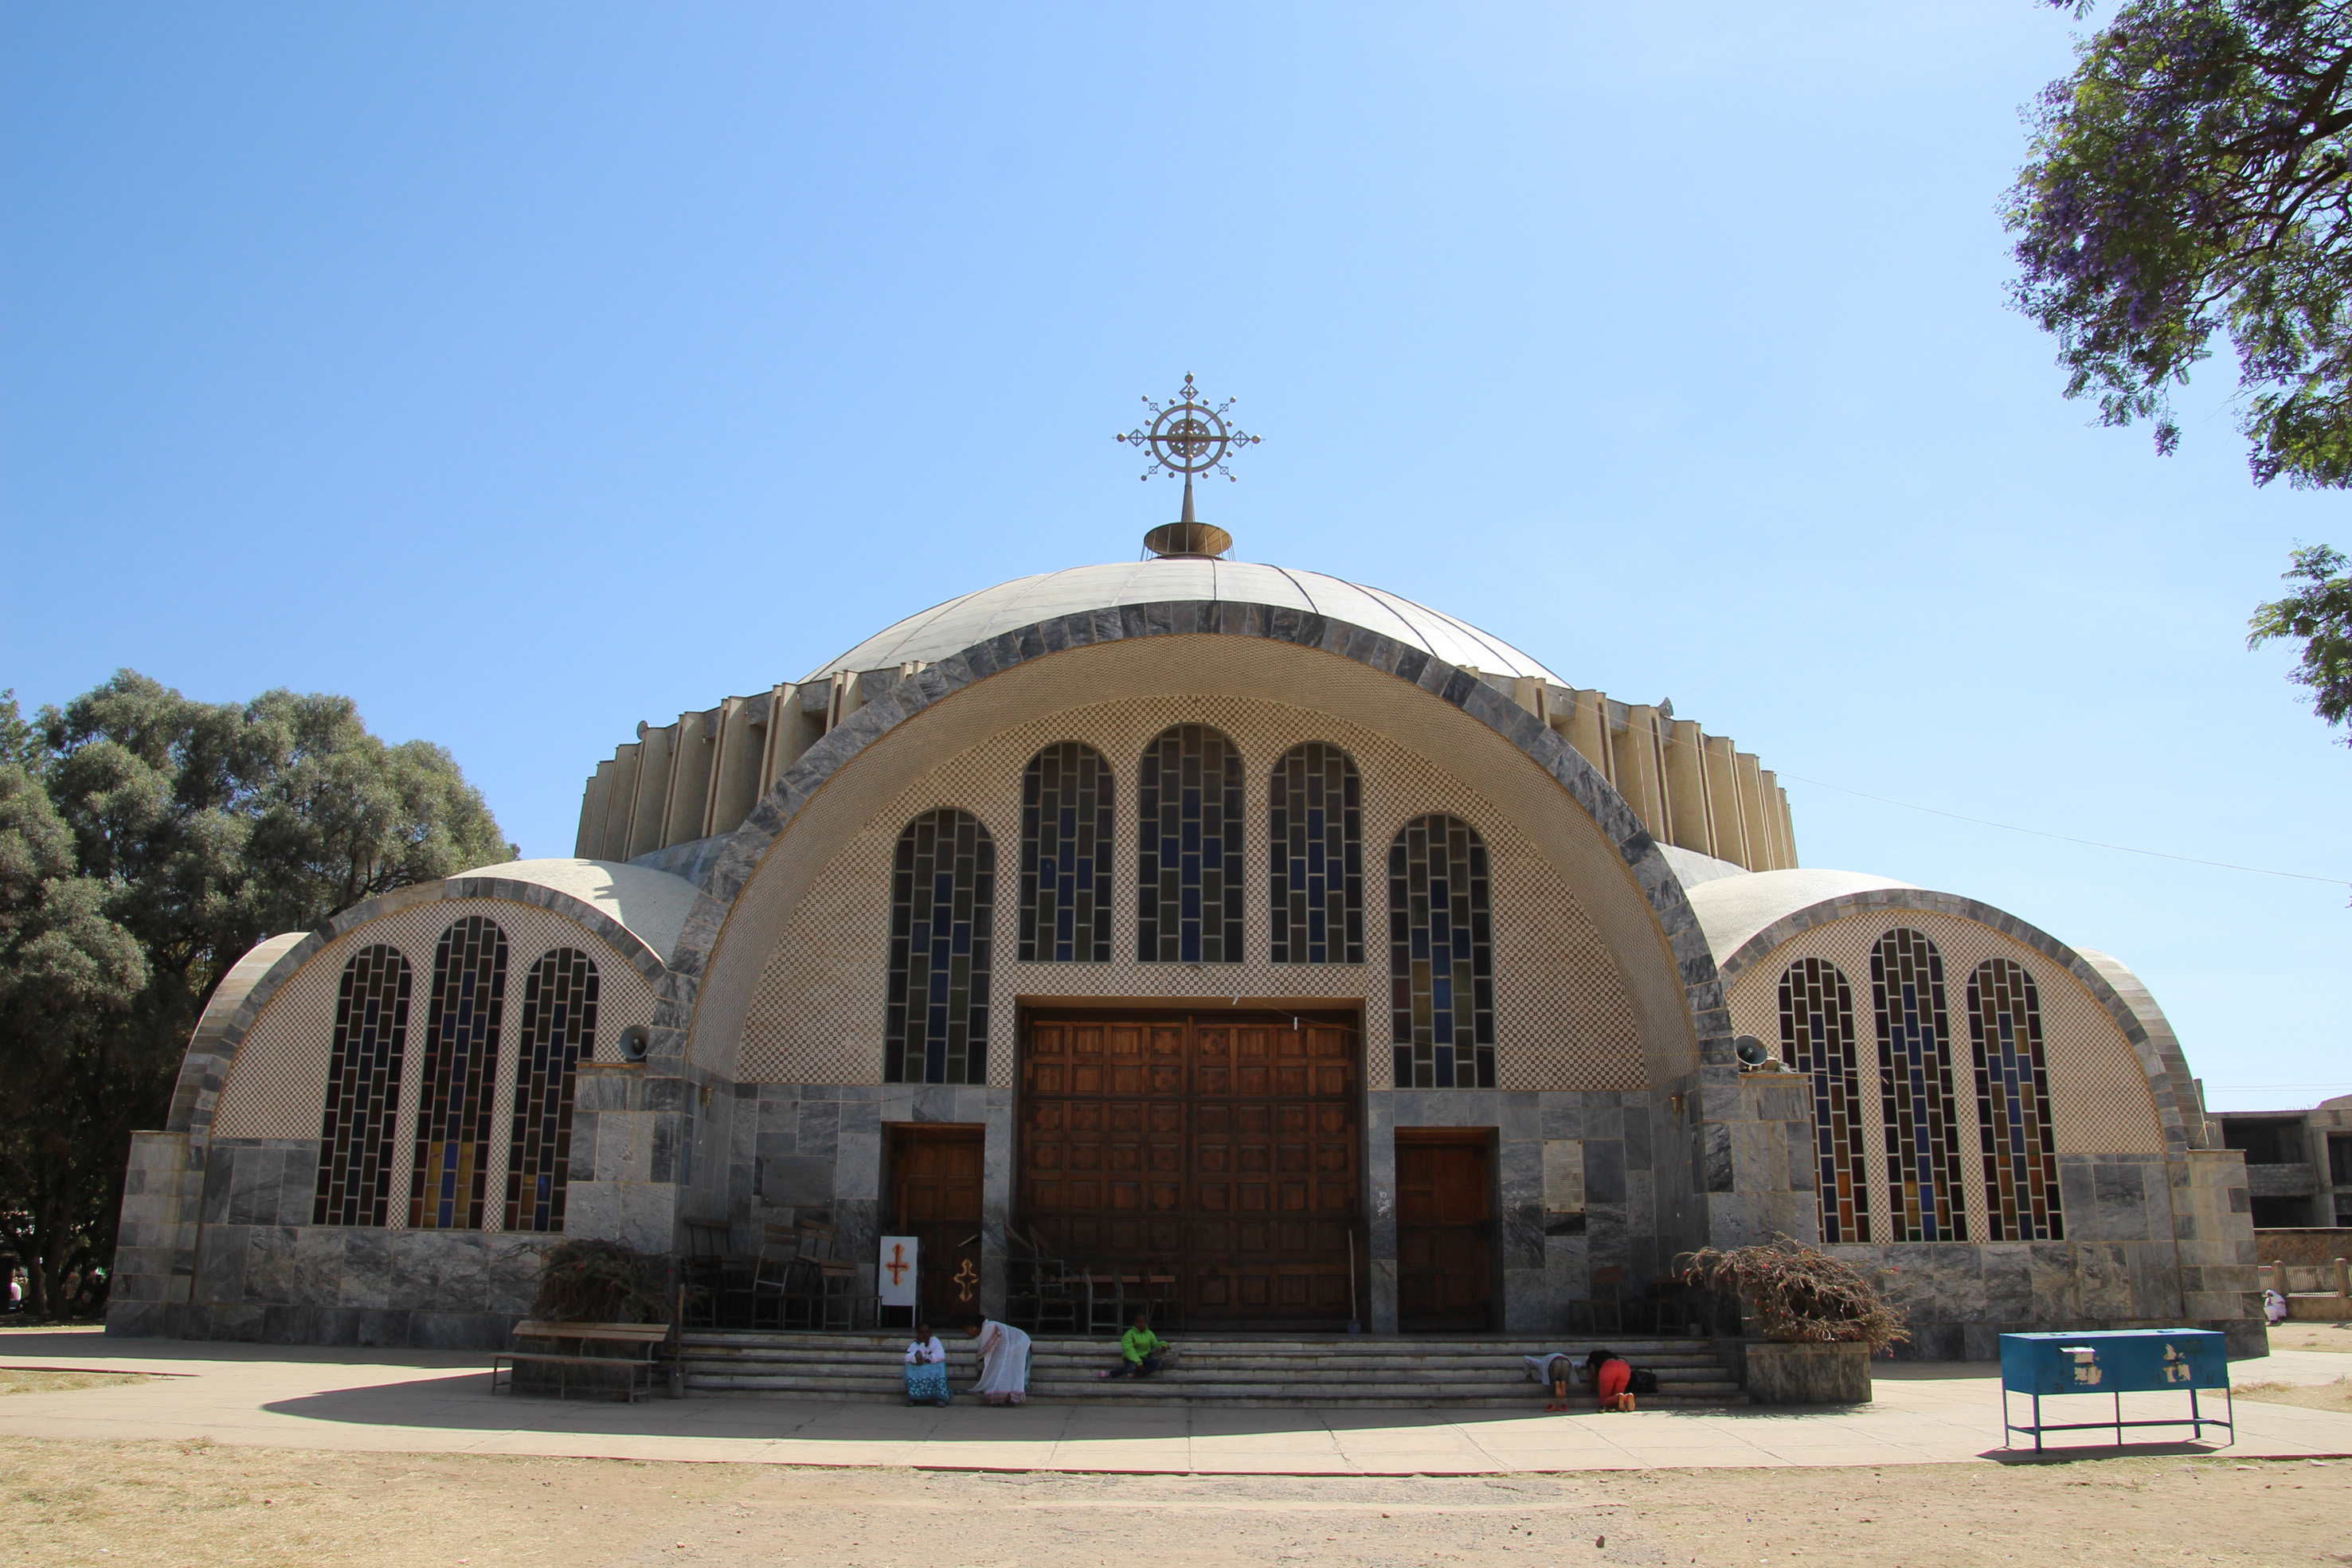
<point>1066,902</point>
<point>449,1181</point>
<point>1188,909</point>
<point>2022,1195</point>
<point>1442,961</point>
<point>940,948</point>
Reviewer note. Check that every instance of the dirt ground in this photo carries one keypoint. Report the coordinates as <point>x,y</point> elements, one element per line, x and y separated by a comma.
<point>2312,1336</point>
<point>179,1504</point>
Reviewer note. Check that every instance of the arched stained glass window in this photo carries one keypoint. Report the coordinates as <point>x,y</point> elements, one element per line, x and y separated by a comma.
<point>942,899</point>
<point>1316,824</point>
<point>1189,849</point>
<point>558,1033</point>
<point>2020,1157</point>
<point>461,1044</point>
<point>1817,1038</point>
<point>1915,1067</point>
<point>1065,838</point>
<point>355,1135</point>
<point>1441,956</point>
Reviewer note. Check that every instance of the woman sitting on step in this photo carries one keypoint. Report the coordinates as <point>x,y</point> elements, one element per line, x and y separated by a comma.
<point>926,1368</point>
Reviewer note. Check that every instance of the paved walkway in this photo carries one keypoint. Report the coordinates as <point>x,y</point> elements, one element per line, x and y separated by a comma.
<point>429,1402</point>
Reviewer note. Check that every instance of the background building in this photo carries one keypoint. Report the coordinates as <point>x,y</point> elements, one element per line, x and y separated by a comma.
<point>2298,1163</point>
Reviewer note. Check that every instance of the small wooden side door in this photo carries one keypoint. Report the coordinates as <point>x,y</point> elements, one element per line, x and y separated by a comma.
<point>935,1179</point>
<point>1446,1229</point>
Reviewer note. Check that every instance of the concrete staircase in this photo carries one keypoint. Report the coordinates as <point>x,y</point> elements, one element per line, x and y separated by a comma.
<point>1350,1370</point>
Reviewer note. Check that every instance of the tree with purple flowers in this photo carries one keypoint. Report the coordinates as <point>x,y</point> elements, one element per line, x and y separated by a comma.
<point>2193,179</point>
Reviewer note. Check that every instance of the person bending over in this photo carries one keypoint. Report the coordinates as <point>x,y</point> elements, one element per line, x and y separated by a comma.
<point>1003,1362</point>
<point>1139,1350</point>
<point>1613,1379</point>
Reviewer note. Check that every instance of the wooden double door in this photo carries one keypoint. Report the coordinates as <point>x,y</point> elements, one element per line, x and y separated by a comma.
<point>1225,1148</point>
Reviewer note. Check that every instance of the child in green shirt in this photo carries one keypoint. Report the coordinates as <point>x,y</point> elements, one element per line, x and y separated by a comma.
<point>1138,1351</point>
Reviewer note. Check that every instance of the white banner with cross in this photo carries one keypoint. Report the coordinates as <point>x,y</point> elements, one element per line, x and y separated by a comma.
<point>897,1275</point>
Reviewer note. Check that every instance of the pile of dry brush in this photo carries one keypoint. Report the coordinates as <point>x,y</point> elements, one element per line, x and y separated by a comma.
<point>588,1281</point>
<point>1799,1293</point>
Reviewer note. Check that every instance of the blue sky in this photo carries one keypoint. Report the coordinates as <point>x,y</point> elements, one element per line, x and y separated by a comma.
<point>528,371</point>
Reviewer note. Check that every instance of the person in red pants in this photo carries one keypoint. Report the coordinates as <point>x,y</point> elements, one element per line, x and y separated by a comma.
<point>1612,1377</point>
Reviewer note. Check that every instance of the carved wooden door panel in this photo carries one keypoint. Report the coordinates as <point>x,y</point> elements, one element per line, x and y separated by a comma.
<point>1224,1148</point>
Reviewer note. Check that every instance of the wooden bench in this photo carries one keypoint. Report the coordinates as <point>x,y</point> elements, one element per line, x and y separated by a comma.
<point>645,1340</point>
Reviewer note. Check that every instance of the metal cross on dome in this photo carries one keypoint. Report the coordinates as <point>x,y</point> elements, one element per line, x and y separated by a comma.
<point>1187,436</point>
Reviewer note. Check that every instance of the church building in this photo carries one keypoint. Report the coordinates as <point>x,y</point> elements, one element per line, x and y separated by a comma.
<point>1291,940</point>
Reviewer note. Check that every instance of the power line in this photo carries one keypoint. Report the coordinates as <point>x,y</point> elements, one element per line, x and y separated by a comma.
<point>2068,837</point>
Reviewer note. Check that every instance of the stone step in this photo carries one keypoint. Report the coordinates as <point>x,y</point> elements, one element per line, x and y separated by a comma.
<point>1156,1392</point>
<point>1677,1381</point>
<point>1272,1369</point>
<point>1195,1368</point>
<point>1319,1350</point>
<point>1051,1355</point>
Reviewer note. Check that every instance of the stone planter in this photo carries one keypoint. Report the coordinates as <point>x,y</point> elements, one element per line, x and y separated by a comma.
<point>1780,1374</point>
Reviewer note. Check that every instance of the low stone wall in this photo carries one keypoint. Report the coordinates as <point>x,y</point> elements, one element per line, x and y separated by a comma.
<point>2311,1246</point>
<point>2329,1278</point>
<point>216,1243</point>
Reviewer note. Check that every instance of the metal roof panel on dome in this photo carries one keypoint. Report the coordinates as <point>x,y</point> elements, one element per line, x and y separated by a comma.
<point>1732,909</point>
<point>948,629</point>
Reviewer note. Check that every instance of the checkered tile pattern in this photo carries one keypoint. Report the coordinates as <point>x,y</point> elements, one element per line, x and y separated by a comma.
<point>277,1085</point>
<point>1562,1018</point>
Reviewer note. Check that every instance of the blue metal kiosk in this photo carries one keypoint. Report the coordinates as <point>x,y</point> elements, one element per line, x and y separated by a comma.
<point>2117,1361</point>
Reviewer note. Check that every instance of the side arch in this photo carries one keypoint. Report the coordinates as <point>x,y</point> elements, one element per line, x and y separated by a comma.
<point>256,980</point>
<point>2142,1023</point>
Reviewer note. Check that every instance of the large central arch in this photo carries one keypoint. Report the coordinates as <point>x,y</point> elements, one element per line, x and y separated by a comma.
<point>1494,745</point>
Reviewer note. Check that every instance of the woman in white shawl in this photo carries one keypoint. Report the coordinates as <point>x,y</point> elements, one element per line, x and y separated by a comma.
<point>1004,1352</point>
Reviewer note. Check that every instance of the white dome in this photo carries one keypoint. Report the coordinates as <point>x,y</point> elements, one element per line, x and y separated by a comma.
<point>951,628</point>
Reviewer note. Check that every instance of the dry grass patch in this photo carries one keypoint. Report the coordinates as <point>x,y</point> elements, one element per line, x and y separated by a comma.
<point>2336,1395</point>
<point>18,1380</point>
<point>36,1381</point>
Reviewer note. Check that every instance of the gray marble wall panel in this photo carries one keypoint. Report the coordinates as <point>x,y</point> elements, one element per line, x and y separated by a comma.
<point>1380,1211</point>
